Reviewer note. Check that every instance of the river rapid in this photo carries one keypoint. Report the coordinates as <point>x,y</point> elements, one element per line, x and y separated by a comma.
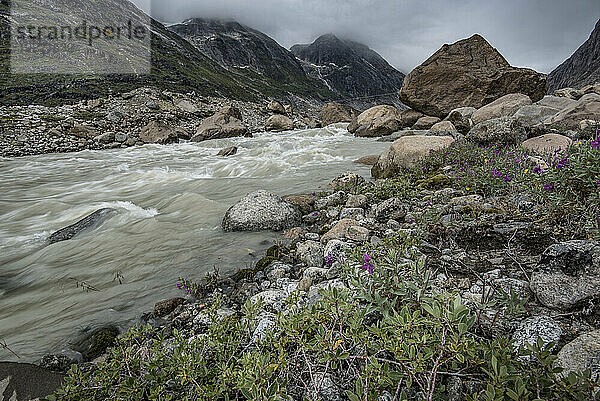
<point>171,200</point>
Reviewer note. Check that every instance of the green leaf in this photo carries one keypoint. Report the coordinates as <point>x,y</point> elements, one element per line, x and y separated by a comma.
<point>351,396</point>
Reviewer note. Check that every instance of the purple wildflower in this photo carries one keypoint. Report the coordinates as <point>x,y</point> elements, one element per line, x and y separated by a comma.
<point>329,259</point>
<point>548,187</point>
<point>179,285</point>
<point>596,143</point>
<point>562,163</point>
<point>367,265</point>
<point>315,214</point>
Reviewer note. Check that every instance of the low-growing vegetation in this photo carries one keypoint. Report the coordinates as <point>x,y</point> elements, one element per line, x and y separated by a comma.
<point>394,331</point>
<point>392,335</point>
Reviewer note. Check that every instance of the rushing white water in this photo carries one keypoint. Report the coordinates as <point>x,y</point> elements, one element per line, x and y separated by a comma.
<point>171,201</point>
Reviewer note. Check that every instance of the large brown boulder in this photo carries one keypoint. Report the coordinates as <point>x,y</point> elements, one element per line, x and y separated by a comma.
<point>225,123</point>
<point>506,106</point>
<point>405,151</point>
<point>425,122</point>
<point>469,72</point>
<point>159,132</point>
<point>278,122</point>
<point>275,107</point>
<point>410,117</point>
<point>586,108</point>
<point>337,113</point>
<point>376,121</point>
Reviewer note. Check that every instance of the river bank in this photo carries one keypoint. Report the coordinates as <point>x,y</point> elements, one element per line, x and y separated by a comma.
<point>118,121</point>
<point>384,275</point>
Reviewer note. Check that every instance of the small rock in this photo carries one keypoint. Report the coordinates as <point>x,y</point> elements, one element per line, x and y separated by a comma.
<point>354,213</point>
<point>534,328</point>
<point>568,274</point>
<point>339,230</point>
<point>359,234</point>
<point>310,253</point>
<point>547,143</point>
<point>336,113</point>
<point>316,274</point>
<point>121,137</point>
<point>279,122</point>
<point>163,308</point>
<point>581,354</point>
<point>275,107</point>
<point>444,126</point>
<point>346,180</point>
<point>204,319</point>
<point>265,326</point>
<point>357,201</point>
<point>367,160</point>
<point>230,151</point>
<point>391,208</point>
<point>272,300</point>
<point>261,210</point>
<point>334,199</point>
<point>305,284</point>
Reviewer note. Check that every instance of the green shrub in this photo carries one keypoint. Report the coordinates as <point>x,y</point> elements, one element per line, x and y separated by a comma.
<point>390,332</point>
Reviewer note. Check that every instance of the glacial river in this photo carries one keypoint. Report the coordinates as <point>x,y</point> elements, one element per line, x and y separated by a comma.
<point>171,200</point>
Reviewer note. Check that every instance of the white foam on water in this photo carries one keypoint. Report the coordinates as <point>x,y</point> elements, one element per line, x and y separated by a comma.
<point>24,240</point>
<point>132,209</point>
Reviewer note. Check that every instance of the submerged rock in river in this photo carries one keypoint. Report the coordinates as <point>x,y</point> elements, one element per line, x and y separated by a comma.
<point>88,223</point>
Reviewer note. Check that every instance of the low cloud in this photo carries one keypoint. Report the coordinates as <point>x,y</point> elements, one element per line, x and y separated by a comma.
<point>539,34</point>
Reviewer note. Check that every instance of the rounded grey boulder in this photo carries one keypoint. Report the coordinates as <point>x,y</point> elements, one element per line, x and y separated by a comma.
<point>261,210</point>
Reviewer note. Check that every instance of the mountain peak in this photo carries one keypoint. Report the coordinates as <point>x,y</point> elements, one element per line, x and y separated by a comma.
<point>348,67</point>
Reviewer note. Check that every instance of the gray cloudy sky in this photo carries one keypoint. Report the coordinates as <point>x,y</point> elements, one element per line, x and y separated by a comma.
<point>539,34</point>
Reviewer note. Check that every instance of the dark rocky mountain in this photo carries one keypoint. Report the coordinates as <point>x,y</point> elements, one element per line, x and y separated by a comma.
<point>176,65</point>
<point>582,68</point>
<point>351,69</point>
<point>234,45</point>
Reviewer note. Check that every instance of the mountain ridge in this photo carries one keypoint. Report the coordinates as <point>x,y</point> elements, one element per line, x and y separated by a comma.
<point>177,65</point>
<point>581,68</point>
